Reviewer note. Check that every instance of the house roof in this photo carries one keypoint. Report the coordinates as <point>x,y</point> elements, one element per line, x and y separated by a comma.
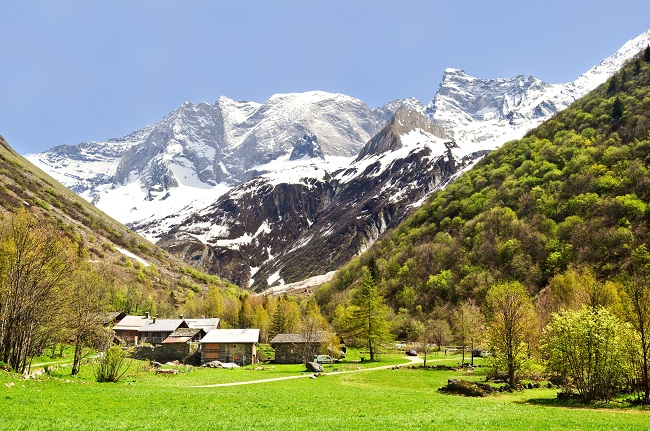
<point>205,324</point>
<point>132,323</point>
<point>287,338</point>
<point>185,332</point>
<point>162,325</point>
<point>182,335</point>
<point>221,336</point>
<point>175,340</point>
<point>296,338</point>
<point>111,316</point>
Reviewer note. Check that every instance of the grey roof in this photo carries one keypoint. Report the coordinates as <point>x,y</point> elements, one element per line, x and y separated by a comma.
<point>185,332</point>
<point>110,316</point>
<point>299,338</point>
<point>205,324</point>
<point>288,338</point>
<point>220,336</point>
<point>131,323</point>
<point>161,325</point>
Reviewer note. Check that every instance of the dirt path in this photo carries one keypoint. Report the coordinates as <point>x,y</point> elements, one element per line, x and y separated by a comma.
<point>412,360</point>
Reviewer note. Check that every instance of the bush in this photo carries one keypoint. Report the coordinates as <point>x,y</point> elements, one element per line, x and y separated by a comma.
<point>469,389</point>
<point>111,367</point>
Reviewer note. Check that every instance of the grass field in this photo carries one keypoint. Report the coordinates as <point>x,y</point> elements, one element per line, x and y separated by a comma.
<point>387,399</point>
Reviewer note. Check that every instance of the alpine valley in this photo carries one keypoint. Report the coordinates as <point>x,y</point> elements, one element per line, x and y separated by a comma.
<point>276,193</point>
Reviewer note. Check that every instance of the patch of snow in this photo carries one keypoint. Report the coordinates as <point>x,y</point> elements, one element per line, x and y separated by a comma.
<point>300,285</point>
<point>131,255</point>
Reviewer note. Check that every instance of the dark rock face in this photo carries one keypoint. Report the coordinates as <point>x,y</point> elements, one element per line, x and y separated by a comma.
<point>276,230</point>
<point>307,148</point>
<point>389,138</point>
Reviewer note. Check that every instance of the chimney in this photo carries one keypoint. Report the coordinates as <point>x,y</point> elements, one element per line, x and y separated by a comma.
<point>146,315</point>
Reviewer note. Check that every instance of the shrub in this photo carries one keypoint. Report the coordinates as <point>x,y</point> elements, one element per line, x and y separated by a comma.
<point>111,366</point>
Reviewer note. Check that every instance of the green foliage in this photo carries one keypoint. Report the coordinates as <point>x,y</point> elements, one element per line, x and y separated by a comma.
<point>367,324</point>
<point>512,324</point>
<point>111,366</point>
<point>574,192</point>
<point>586,350</point>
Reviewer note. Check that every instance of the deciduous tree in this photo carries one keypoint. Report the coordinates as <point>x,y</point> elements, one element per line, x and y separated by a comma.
<point>512,322</point>
<point>35,268</point>
<point>586,349</point>
<point>636,300</point>
<point>87,301</point>
<point>467,321</point>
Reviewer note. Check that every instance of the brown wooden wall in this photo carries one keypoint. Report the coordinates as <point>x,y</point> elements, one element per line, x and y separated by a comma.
<point>239,353</point>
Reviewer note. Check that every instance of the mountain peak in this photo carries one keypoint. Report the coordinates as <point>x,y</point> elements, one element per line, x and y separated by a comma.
<point>404,121</point>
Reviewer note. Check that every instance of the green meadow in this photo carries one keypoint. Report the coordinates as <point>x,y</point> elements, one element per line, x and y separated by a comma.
<point>386,399</point>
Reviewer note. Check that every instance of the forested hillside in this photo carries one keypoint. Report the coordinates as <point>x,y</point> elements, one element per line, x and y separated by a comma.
<point>571,196</point>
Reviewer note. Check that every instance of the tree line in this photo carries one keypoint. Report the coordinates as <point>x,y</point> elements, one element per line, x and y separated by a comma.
<point>50,294</point>
<point>588,336</point>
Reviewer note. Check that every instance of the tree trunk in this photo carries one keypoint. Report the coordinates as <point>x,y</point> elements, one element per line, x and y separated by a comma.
<point>78,347</point>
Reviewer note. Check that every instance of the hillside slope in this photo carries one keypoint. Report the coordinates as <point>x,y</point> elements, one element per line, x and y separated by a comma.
<point>574,192</point>
<point>148,277</point>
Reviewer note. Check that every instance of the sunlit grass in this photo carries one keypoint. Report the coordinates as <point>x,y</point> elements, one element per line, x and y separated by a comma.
<point>387,399</point>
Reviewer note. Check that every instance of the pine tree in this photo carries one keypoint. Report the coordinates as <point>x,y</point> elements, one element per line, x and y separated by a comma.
<point>646,54</point>
<point>617,109</point>
<point>368,321</point>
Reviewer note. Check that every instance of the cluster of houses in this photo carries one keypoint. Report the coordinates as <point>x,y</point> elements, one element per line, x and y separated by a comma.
<point>178,339</point>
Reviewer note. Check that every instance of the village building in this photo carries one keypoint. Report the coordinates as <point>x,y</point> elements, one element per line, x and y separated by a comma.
<point>127,329</point>
<point>183,342</point>
<point>206,324</point>
<point>157,330</point>
<point>295,349</point>
<point>230,345</point>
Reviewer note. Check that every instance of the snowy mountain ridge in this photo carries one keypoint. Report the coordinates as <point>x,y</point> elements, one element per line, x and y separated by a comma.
<point>482,114</point>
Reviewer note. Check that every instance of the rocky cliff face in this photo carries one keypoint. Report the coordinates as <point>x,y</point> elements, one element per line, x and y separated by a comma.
<point>274,229</point>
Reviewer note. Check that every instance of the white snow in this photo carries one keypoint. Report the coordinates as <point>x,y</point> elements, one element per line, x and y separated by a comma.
<point>275,277</point>
<point>300,285</point>
<point>131,255</point>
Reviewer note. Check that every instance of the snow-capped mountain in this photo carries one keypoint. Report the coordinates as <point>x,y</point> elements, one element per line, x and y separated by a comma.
<point>264,193</point>
<point>307,217</point>
<point>198,152</point>
<point>482,114</point>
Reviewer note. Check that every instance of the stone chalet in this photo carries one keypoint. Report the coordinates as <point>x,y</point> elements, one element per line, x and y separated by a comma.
<point>230,345</point>
<point>157,330</point>
<point>294,349</point>
<point>127,329</point>
<point>184,341</point>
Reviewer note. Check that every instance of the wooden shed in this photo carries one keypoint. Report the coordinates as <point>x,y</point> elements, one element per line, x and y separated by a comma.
<point>230,345</point>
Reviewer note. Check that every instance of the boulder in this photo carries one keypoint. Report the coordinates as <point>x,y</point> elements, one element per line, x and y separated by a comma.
<point>213,364</point>
<point>315,367</point>
<point>229,365</point>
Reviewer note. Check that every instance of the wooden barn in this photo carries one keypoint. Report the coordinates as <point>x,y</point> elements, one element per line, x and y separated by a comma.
<point>230,345</point>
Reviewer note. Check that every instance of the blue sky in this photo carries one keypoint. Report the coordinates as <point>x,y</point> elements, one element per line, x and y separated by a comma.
<point>91,70</point>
